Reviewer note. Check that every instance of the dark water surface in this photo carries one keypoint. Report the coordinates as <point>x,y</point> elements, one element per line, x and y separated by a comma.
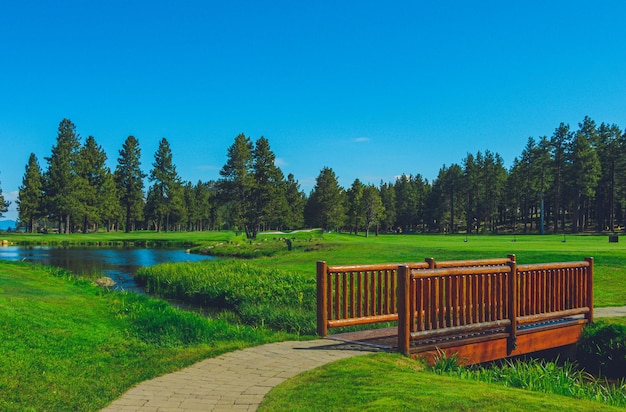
<point>118,263</point>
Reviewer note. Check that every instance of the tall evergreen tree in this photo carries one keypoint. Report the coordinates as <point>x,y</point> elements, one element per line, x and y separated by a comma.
<point>4,205</point>
<point>407,203</point>
<point>325,205</point>
<point>296,199</point>
<point>237,181</point>
<point>493,181</point>
<point>559,143</point>
<point>129,181</point>
<point>109,207</point>
<point>611,156</point>
<point>388,197</point>
<point>446,197</point>
<point>61,186</point>
<point>372,207</point>
<point>584,173</point>
<point>354,206</point>
<point>91,173</point>
<point>268,188</point>
<point>166,190</point>
<point>30,197</point>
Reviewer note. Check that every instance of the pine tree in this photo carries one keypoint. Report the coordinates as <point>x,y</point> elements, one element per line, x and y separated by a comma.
<point>4,205</point>
<point>166,190</point>
<point>267,190</point>
<point>30,197</point>
<point>354,205</point>
<point>109,207</point>
<point>559,143</point>
<point>296,199</point>
<point>388,197</point>
<point>91,173</point>
<point>325,206</point>
<point>237,180</point>
<point>584,173</point>
<point>61,186</point>
<point>372,207</point>
<point>129,181</point>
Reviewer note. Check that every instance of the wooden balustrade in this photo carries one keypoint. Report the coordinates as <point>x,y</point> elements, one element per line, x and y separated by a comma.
<point>363,294</point>
<point>357,294</point>
<point>485,309</point>
<point>437,302</point>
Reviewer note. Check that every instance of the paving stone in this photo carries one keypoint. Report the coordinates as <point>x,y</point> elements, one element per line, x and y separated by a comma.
<point>233,381</point>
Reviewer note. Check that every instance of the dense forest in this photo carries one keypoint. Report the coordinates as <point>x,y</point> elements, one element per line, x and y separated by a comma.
<point>571,181</point>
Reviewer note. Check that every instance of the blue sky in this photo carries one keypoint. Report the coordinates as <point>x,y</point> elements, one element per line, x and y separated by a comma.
<point>371,89</point>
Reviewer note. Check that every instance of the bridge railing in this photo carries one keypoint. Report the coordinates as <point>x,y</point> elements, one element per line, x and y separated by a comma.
<point>433,303</point>
<point>553,290</point>
<point>351,295</point>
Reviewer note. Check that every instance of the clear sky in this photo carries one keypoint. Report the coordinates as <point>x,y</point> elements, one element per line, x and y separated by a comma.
<point>372,89</point>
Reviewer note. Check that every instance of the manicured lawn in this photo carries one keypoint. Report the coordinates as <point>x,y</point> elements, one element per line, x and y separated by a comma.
<point>387,382</point>
<point>338,249</point>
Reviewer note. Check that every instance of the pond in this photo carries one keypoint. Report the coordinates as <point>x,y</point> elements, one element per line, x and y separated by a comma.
<point>118,263</point>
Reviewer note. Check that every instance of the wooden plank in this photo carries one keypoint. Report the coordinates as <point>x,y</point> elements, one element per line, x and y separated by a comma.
<point>468,353</point>
<point>547,339</point>
<point>589,302</point>
<point>322,300</point>
<point>404,309</point>
<point>459,330</point>
<point>365,320</point>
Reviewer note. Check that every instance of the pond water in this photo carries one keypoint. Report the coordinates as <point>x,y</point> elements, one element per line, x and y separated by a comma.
<point>118,263</point>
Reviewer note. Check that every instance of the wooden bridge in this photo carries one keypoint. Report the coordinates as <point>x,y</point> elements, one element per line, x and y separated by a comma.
<point>481,310</point>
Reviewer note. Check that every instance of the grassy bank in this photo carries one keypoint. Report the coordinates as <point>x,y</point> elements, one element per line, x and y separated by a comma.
<point>68,345</point>
<point>386,382</point>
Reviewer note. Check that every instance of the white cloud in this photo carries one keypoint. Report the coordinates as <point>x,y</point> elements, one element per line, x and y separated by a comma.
<point>11,196</point>
<point>279,162</point>
<point>361,139</point>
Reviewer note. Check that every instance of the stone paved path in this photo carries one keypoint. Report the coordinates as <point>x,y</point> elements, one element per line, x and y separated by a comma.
<point>239,380</point>
<point>233,381</point>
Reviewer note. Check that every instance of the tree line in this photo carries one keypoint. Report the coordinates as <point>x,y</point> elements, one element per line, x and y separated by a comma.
<point>571,181</point>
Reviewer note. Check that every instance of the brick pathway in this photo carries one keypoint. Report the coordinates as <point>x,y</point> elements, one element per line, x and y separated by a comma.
<point>239,380</point>
<point>233,381</point>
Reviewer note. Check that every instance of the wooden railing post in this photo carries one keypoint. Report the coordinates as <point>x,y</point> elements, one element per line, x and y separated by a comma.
<point>431,262</point>
<point>513,299</point>
<point>589,315</point>
<point>322,299</point>
<point>404,310</point>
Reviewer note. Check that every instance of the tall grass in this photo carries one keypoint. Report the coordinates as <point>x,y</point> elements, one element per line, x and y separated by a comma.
<point>256,296</point>
<point>539,375</point>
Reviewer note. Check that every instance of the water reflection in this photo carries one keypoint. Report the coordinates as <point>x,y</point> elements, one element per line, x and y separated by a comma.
<point>118,263</point>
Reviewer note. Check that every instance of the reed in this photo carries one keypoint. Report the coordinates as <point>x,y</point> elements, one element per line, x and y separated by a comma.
<point>256,296</point>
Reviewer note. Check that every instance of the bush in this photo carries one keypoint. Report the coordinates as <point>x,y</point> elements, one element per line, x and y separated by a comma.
<point>602,349</point>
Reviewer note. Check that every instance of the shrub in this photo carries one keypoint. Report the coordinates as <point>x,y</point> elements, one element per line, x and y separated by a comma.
<point>602,349</point>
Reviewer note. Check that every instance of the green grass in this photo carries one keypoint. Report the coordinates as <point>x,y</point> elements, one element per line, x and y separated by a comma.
<point>339,249</point>
<point>68,345</point>
<point>140,237</point>
<point>280,300</point>
<point>73,346</point>
<point>387,382</point>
